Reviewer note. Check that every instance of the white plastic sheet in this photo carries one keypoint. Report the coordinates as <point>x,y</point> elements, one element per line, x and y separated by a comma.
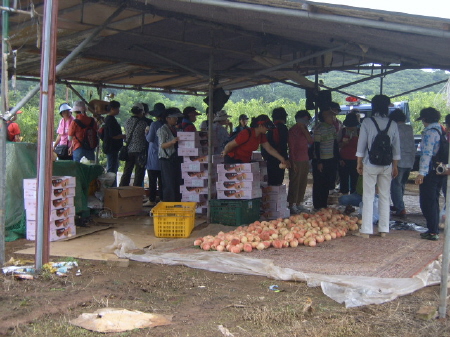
<point>353,291</point>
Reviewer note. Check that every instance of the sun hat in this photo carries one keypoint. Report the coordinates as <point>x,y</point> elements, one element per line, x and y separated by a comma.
<point>221,116</point>
<point>158,110</point>
<point>79,106</point>
<point>64,107</point>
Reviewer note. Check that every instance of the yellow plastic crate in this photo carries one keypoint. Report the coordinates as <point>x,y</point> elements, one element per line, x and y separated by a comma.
<point>173,219</point>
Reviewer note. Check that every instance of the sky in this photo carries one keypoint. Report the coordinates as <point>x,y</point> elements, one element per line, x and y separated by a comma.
<point>436,8</point>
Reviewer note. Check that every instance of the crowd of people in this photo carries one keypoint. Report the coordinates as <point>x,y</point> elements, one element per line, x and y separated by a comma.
<point>338,153</point>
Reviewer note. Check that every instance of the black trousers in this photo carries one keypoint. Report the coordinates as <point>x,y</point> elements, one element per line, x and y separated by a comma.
<point>139,171</point>
<point>171,180</point>
<point>429,192</point>
<point>154,184</point>
<point>348,176</point>
<point>275,175</point>
<point>323,182</point>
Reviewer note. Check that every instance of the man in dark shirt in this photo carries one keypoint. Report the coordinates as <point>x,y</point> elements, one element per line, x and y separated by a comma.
<point>112,139</point>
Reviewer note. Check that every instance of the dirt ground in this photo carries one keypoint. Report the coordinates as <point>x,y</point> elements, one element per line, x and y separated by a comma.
<point>201,301</point>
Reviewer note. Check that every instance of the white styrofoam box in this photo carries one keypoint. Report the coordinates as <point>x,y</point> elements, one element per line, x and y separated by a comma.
<point>194,197</point>
<point>188,144</point>
<point>237,185</point>
<point>245,167</point>
<point>57,182</point>
<point>273,197</point>
<point>194,167</point>
<point>55,204</point>
<point>201,210</point>
<point>56,193</point>
<point>274,206</point>
<point>56,214</point>
<point>55,233</point>
<point>195,151</point>
<point>239,194</point>
<point>281,189</point>
<point>216,159</point>
<point>196,189</point>
<point>192,135</point>
<point>238,176</point>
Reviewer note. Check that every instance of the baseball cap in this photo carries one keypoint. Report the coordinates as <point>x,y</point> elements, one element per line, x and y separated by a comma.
<point>243,117</point>
<point>190,109</point>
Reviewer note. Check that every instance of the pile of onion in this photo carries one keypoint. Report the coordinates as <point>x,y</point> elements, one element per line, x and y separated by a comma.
<point>301,229</point>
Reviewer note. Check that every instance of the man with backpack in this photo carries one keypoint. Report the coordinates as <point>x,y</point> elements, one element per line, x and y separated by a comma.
<point>434,147</point>
<point>83,134</point>
<point>378,153</point>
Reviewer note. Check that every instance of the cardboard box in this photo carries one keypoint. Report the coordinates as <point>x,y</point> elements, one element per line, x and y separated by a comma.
<point>194,167</point>
<point>247,167</point>
<point>188,144</point>
<point>195,182</point>
<point>58,193</point>
<point>274,206</point>
<point>273,197</point>
<point>237,185</point>
<point>197,175</point>
<point>242,176</point>
<point>196,151</point>
<point>192,135</point>
<point>55,233</point>
<point>216,159</point>
<point>56,214</point>
<point>196,190</point>
<point>55,204</point>
<point>124,201</point>
<point>239,194</point>
<point>57,182</point>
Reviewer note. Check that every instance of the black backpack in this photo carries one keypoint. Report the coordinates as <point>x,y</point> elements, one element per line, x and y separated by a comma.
<point>442,155</point>
<point>90,139</point>
<point>380,153</point>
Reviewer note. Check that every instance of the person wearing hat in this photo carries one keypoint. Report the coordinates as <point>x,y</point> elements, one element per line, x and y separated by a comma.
<point>189,117</point>
<point>335,108</point>
<point>76,132</point>
<point>62,143</point>
<point>348,143</point>
<point>220,133</point>
<point>13,129</point>
<point>240,149</point>
<point>299,140</point>
<point>430,183</point>
<point>406,162</point>
<point>153,163</point>
<point>376,175</point>
<point>135,138</point>
<point>278,139</point>
<point>243,121</point>
<point>112,139</point>
<point>168,156</point>
<point>149,121</point>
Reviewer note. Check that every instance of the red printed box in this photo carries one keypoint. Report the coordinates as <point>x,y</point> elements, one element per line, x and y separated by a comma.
<point>57,182</point>
<point>248,167</point>
<point>197,175</point>
<point>55,214</point>
<point>56,233</point>
<point>239,194</point>
<point>242,176</point>
<point>194,167</point>
<point>198,135</point>
<point>196,190</point>
<point>55,204</point>
<point>237,185</point>
<point>55,193</point>
<point>281,189</point>
<point>195,182</point>
<point>216,159</point>
<point>192,143</point>
<point>196,151</point>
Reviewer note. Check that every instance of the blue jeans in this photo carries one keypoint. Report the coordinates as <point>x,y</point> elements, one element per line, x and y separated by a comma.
<point>398,188</point>
<point>80,153</point>
<point>353,199</point>
<point>112,164</point>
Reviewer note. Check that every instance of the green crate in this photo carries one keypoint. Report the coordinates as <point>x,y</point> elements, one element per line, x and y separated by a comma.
<point>235,212</point>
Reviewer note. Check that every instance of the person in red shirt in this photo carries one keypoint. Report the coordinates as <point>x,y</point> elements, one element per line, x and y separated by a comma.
<point>13,128</point>
<point>348,143</point>
<point>240,149</point>
<point>76,135</point>
<point>190,116</point>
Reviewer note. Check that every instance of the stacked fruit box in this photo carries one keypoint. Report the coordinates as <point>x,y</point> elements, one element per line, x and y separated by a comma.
<point>274,202</point>
<point>238,181</point>
<point>193,147</point>
<point>62,207</point>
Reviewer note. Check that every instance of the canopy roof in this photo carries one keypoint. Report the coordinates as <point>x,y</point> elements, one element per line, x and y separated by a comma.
<point>167,44</point>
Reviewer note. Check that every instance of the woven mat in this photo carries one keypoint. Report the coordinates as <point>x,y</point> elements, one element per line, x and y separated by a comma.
<point>402,254</point>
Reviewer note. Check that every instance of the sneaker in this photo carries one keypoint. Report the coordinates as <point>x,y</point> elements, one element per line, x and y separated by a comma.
<point>429,236</point>
<point>382,234</point>
<point>361,235</point>
<point>149,204</point>
<point>302,209</point>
